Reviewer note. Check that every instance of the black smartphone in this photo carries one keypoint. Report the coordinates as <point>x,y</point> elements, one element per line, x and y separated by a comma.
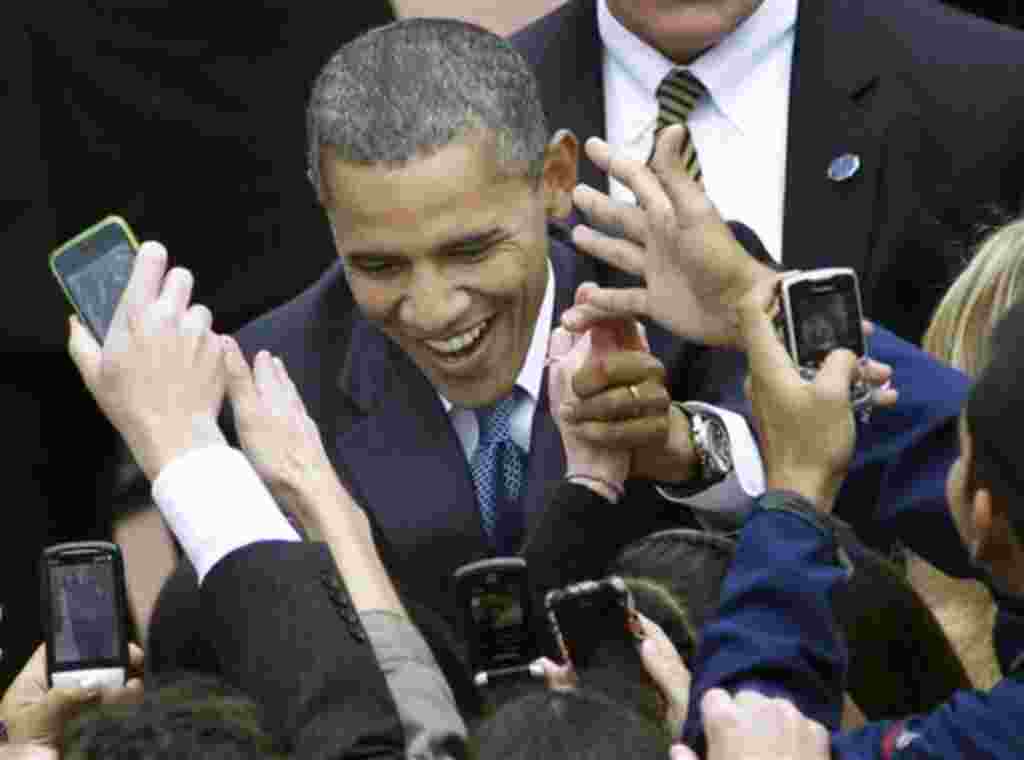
<point>820,311</point>
<point>588,616</point>
<point>85,614</point>
<point>93,269</point>
<point>493,597</point>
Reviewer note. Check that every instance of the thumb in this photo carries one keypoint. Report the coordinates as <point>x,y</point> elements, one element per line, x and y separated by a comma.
<point>63,705</point>
<point>838,372</point>
<point>85,352</point>
<point>661,659</point>
<point>765,353</point>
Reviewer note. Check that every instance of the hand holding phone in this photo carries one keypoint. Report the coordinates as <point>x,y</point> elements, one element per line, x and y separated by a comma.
<point>93,269</point>
<point>494,605</point>
<point>598,631</point>
<point>85,615</point>
<point>819,312</point>
<point>160,376</point>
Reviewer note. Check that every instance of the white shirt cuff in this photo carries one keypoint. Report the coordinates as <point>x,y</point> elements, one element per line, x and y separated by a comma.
<point>214,502</point>
<point>732,497</point>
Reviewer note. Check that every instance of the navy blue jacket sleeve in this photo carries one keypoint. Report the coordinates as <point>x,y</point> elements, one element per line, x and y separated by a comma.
<point>774,631</point>
<point>902,457</point>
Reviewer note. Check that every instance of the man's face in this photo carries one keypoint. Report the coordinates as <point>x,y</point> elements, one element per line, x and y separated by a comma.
<point>682,29</point>
<point>449,259</point>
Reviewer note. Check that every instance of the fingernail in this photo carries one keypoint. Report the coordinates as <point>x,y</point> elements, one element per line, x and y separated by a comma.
<point>567,412</point>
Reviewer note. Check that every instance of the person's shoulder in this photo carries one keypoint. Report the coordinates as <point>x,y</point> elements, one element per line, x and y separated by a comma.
<point>539,35</point>
<point>325,304</point>
<point>942,37</point>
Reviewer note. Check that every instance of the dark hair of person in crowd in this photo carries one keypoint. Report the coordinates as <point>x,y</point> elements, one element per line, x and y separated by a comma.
<point>196,716</point>
<point>993,415</point>
<point>576,724</point>
<point>458,80</point>
<point>901,661</point>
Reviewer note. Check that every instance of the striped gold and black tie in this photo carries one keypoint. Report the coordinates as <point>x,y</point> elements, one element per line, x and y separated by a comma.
<point>677,96</point>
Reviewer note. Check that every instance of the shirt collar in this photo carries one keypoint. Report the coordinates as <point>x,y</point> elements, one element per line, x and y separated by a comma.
<point>532,372</point>
<point>726,70</point>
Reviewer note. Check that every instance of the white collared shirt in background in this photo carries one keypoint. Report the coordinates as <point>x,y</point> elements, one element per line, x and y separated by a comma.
<point>739,129</point>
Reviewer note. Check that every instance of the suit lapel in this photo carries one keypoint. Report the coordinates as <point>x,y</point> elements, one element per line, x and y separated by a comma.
<point>840,103</point>
<point>403,459</point>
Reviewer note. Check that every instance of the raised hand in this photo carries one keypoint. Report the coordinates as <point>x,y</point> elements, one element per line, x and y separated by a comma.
<point>694,270</point>
<point>159,376</point>
<point>282,441</point>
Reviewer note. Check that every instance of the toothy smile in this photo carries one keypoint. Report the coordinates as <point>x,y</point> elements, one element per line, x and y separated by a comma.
<point>461,343</point>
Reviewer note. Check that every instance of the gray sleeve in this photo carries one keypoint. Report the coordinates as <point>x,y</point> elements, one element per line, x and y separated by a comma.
<point>425,702</point>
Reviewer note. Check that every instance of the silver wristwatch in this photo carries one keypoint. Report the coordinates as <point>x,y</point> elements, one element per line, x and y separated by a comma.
<point>710,440</point>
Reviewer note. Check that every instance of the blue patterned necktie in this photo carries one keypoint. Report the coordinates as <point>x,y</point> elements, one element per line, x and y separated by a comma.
<point>499,473</point>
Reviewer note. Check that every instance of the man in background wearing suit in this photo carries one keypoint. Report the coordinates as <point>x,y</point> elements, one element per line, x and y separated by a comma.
<point>865,134</point>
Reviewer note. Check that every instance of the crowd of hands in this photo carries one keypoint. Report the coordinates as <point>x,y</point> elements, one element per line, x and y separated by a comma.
<point>163,373</point>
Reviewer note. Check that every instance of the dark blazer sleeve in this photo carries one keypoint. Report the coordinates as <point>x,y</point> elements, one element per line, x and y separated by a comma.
<point>285,631</point>
<point>774,631</point>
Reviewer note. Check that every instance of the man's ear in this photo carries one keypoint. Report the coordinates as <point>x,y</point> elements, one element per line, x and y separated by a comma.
<point>561,162</point>
<point>993,546</point>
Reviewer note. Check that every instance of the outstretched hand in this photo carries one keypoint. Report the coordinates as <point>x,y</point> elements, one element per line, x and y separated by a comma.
<point>694,270</point>
<point>159,376</point>
<point>282,441</point>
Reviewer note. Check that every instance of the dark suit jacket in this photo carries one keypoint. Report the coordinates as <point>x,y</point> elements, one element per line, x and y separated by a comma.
<point>929,98</point>
<point>390,439</point>
<point>284,631</point>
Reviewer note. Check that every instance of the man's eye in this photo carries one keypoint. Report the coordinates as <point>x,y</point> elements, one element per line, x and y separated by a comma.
<point>370,265</point>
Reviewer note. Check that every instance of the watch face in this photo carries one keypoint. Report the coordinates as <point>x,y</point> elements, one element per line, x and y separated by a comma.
<point>719,448</point>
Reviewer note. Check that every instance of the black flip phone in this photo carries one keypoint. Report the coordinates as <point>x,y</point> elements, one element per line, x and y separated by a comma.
<point>494,606</point>
<point>596,626</point>
<point>93,270</point>
<point>820,312</point>
<point>85,614</point>
<point>589,615</point>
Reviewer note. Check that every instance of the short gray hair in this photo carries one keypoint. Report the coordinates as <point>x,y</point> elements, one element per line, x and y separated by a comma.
<point>406,90</point>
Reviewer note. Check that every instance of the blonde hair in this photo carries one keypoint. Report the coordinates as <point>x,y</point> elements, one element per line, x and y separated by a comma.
<point>990,284</point>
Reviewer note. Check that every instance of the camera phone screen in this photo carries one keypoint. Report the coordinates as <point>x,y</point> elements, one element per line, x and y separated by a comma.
<point>500,622</point>
<point>84,614</point>
<point>825,317</point>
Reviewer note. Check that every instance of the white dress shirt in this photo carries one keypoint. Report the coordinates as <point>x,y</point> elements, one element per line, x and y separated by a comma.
<point>464,420</point>
<point>739,128</point>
